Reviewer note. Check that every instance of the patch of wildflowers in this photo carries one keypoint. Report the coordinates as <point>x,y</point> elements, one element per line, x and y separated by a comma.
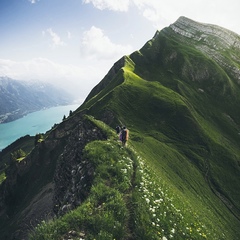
<point>166,220</point>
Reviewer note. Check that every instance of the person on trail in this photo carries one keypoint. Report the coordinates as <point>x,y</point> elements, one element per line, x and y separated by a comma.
<point>118,132</point>
<point>118,129</point>
<point>124,136</point>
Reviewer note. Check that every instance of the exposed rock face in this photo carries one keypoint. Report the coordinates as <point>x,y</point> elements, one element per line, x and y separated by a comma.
<point>74,174</point>
<point>53,179</point>
<point>211,40</point>
<point>199,31</point>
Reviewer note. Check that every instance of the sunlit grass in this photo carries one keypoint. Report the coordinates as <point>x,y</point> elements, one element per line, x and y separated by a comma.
<point>127,201</point>
<point>2,177</point>
<point>159,215</point>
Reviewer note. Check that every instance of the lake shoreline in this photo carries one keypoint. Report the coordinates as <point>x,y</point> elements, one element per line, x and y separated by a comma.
<point>35,122</point>
<point>15,115</point>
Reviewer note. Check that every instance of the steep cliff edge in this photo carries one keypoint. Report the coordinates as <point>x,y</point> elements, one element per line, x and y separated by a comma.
<point>51,180</point>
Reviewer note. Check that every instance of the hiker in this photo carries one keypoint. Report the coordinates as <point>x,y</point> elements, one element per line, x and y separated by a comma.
<point>118,129</point>
<point>124,136</point>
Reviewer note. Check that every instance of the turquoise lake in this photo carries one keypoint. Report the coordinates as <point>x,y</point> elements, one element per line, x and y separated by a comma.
<point>33,123</point>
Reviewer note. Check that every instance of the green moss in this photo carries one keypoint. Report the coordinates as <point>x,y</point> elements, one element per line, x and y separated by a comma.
<point>2,177</point>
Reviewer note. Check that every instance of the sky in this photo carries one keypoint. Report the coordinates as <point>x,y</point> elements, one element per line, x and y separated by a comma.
<point>74,43</point>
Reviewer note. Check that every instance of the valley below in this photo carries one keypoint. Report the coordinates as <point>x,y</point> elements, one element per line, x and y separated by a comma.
<point>33,123</point>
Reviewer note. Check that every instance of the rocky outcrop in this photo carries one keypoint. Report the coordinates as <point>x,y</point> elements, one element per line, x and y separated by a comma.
<point>51,180</point>
<point>211,40</point>
<point>74,174</point>
<point>207,33</point>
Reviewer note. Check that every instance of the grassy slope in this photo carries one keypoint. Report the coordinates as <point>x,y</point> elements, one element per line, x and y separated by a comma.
<point>182,164</point>
<point>25,143</point>
<point>191,140</point>
<point>207,136</point>
<point>139,193</point>
<point>29,186</point>
<point>187,152</point>
<point>176,199</point>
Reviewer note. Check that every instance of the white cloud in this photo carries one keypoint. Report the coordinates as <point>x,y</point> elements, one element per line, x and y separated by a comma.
<point>77,80</point>
<point>37,68</point>
<point>98,55</point>
<point>157,12</point>
<point>163,13</point>
<point>151,15</point>
<point>95,44</point>
<point>33,1</point>
<point>69,35</point>
<point>114,5</point>
<point>56,40</point>
<point>150,9</point>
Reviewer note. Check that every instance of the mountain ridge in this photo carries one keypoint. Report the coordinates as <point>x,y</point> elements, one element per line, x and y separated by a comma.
<point>178,176</point>
<point>228,84</point>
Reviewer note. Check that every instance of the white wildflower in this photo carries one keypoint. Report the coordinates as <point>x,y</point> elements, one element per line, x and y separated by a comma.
<point>152,209</point>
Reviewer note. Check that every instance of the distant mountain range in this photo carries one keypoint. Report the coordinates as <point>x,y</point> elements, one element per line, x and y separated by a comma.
<point>178,177</point>
<point>17,98</point>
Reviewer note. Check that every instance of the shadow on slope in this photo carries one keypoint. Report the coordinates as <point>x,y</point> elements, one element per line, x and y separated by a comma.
<point>193,153</point>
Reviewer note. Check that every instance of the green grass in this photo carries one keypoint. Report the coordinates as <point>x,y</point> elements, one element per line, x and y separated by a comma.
<point>189,185</point>
<point>25,143</point>
<point>27,187</point>
<point>104,215</point>
<point>133,198</point>
<point>179,176</point>
<point>2,177</point>
<point>189,137</point>
<point>139,192</point>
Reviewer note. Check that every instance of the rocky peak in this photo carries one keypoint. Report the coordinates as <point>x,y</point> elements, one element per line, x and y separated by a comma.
<point>200,31</point>
<point>220,44</point>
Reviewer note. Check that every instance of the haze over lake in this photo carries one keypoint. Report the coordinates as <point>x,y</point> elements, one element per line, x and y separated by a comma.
<point>33,123</point>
